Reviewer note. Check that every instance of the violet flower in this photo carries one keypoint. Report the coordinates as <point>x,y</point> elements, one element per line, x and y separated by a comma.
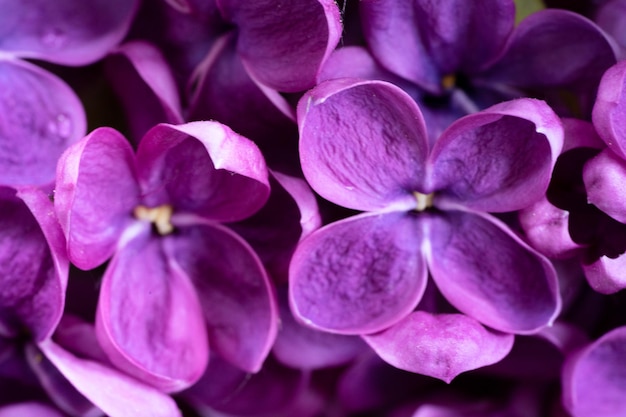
<point>158,214</point>
<point>364,146</point>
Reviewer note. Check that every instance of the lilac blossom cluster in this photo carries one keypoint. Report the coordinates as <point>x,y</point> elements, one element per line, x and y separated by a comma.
<point>311,208</point>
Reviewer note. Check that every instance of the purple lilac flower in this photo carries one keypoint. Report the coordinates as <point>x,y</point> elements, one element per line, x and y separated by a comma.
<point>158,214</point>
<point>364,146</point>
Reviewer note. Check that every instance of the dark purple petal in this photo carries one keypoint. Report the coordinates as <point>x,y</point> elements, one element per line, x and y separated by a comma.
<point>594,378</point>
<point>497,160</point>
<point>610,16</point>
<point>363,144</point>
<point>546,228</point>
<point>609,110</point>
<point>29,409</point>
<point>143,80</point>
<point>40,117</point>
<point>65,32</point>
<point>605,182</point>
<point>359,275</point>
<point>144,299</point>
<point>235,293</point>
<point>203,168</point>
<point>606,275</point>
<point>423,41</point>
<point>33,266</point>
<point>440,345</point>
<point>96,192</point>
<point>488,273</point>
<point>224,91</point>
<point>580,134</point>
<point>112,391</point>
<point>284,43</point>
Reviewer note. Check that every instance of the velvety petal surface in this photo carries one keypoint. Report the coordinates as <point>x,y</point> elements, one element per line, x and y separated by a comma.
<point>423,40</point>
<point>440,345</point>
<point>284,43</point>
<point>359,275</point>
<point>609,110</point>
<point>29,409</point>
<point>145,85</point>
<point>96,192</point>
<point>497,160</point>
<point>606,275</point>
<point>117,394</point>
<point>594,379</point>
<point>203,168</point>
<point>605,182</point>
<point>65,32</point>
<point>488,273</point>
<point>363,144</point>
<point>40,116</point>
<point>144,298</point>
<point>33,267</point>
<point>235,293</point>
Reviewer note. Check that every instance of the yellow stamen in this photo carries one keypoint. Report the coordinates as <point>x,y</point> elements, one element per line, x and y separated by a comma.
<point>449,81</point>
<point>160,216</point>
<point>424,201</point>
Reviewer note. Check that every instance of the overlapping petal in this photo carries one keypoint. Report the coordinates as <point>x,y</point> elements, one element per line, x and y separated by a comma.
<point>606,275</point>
<point>29,409</point>
<point>363,144</point>
<point>284,43</point>
<point>203,168</point>
<point>235,293</point>
<point>609,110</point>
<point>359,275</point>
<point>96,192</point>
<point>440,345</point>
<point>497,160</point>
<point>488,273</point>
<point>594,378</point>
<point>40,116</point>
<point>605,182</point>
<point>149,320</point>
<point>66,32</point>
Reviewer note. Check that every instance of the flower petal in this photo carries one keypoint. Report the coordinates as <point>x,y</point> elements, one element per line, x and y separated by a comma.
<point>235,293</point>
<point>359,275</point>
<point>440,345</point>
<point>284,43</point>
<point>363,144</point>
<point>605,181</point>
<point>40,117</point>
<point>64,32</point>
<point>115,393</point>
<point>28,409</point>
<point>610,107</point>
<point>143,301</point>
<point>488,273</point>
<point>606,275</point>
<point>96,192</point>
<point>497,160</point>
<point>594,379</point>
<point>203,168</point>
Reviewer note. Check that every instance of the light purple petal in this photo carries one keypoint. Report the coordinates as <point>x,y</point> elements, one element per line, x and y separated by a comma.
<point>423,41</point>
<point>497,160</point>
<point>606,275</point>
<point>605,182</point>
<point>65,32</point>
<point>363,144</point>
<point>96,192</point>
<point>144,300</point>
<point>117,394</point>
<point>488,273</point>
<point>145,85</point>
<point>235,293</point>
<point>609,111</point>
<point>33,266</point>
<point>40,116</point>
<point>594,380</point>
<point>359,275</point>
<point>203,168</point>
<point>29,409</point>
<point>440,345</point>
<point>283,44</point>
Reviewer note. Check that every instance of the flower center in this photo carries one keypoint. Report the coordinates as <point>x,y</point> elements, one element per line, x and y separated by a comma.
<point>160,216</point>
<point>424,201</point>
<point>448,81</point>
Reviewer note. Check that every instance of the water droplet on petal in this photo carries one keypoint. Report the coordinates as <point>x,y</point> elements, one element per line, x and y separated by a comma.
<point>54,38</point>
<point>60,125</point>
